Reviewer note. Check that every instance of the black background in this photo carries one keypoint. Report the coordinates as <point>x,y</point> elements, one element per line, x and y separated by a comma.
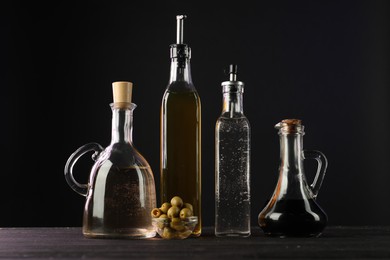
<point>325,62</point>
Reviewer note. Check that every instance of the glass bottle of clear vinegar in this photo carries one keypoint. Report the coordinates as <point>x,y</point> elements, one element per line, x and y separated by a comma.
<point>180,150</point>
<point>232,162</point>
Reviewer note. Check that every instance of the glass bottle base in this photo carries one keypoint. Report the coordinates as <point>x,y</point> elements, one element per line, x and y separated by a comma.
<point>130,233</point>
<point>232,233</point>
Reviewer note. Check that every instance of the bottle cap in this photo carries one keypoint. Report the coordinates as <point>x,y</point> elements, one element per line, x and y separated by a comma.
<point>122,91</point>
<point>232,85</point>
<point>180,51</point>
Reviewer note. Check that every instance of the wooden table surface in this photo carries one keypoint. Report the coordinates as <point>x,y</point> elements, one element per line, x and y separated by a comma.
<point>337,242</point>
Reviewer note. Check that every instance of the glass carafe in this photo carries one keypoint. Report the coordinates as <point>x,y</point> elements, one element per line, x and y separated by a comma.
<point>121,192</point>
<point>292,209</point>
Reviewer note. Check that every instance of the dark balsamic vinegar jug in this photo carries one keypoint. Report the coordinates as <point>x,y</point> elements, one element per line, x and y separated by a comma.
<point>292,209</point>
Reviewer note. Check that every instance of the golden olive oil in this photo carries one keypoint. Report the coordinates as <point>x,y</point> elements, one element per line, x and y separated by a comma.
<point>181,149</point>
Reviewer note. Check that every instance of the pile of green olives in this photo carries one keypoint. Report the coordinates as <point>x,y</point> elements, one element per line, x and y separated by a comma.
<point>172,218</point>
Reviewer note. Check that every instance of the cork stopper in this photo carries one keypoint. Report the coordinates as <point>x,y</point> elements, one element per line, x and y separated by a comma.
<point>292,121</point>
<point>122,91</point>
<point>290,126</point>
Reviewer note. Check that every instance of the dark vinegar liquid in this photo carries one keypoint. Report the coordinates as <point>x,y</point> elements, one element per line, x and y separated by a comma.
<point>293,218</point>
<point>181,150</point>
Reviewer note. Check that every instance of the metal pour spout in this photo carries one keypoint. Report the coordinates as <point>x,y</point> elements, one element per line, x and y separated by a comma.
<point>232,71</point>
<point>179,28</point>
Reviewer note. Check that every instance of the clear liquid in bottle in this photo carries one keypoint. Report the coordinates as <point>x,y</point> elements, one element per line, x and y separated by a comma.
<point>232,160</point>
<point>121,203</point>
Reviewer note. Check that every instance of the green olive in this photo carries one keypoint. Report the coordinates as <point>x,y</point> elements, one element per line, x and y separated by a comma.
<point>173,212</point>
<point>163,216</point>
<point>177,224</point>
<point>185,213</point>
<point>168,233</point>
<point>177,201</point>
<point>188,206</point>
<point>165,206</point>
<point>155,212</point>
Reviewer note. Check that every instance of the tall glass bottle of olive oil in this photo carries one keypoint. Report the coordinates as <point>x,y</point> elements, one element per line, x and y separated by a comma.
<point>180,151</point>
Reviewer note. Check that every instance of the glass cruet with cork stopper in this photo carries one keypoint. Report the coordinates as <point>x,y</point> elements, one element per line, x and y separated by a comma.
<point>121,192</point>
<point>293,209</point>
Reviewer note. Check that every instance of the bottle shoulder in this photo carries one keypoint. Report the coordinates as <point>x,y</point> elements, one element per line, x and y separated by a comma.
<point>177,96</point>
<point>235,117</point>
<point>125,154</point>
<point>236,121</point>
<point>180,86</point>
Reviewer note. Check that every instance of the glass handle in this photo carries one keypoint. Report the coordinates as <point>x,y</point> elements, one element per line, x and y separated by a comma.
<point>321,169</point>
<point>68,170</point>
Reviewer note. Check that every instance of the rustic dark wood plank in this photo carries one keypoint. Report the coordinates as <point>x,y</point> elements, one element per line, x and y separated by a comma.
<point>68,243</point>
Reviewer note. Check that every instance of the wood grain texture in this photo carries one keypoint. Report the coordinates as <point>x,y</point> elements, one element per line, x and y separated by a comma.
<point>68,243</point>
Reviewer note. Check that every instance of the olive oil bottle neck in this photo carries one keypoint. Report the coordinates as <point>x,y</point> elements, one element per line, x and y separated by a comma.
<point>180,71</point>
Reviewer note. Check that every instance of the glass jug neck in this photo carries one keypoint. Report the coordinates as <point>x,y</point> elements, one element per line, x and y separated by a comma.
<point>232,104</point>
<point>180,70</point>
<point>122,124</point>
<point>291,146</point>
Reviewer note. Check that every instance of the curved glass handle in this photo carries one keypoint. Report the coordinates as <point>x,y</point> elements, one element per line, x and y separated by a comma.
<point>68,170</point>
<point>321,169</point>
